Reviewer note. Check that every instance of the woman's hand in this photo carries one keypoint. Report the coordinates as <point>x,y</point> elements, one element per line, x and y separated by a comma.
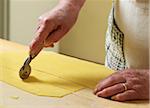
<point>135,81</point>
<point>55,24</point>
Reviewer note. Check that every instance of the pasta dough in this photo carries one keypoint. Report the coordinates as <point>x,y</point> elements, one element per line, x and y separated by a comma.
<point>52,74</point>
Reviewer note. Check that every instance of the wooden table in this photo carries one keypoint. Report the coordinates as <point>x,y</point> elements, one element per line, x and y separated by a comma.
<point>12,97</point>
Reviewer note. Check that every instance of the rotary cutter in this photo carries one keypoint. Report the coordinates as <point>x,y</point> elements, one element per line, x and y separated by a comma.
<point>25,70</point>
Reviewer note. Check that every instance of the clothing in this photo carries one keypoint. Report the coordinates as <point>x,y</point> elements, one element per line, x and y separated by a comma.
<point>114,44</point>
<point>132,19</point>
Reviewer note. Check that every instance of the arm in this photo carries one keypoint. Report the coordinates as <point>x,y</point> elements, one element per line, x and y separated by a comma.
<point>54,24</point>
<point>75,3</point>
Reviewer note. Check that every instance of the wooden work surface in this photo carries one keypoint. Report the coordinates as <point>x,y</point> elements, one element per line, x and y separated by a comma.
<point>12,97</point>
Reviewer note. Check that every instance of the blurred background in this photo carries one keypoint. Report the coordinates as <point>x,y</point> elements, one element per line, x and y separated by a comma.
<point>86,40</point>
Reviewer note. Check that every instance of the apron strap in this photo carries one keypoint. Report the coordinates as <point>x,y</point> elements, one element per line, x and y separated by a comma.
<point>114,8</point>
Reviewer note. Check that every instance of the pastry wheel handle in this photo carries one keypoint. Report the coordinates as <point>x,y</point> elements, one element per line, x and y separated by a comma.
<point>33,54</point>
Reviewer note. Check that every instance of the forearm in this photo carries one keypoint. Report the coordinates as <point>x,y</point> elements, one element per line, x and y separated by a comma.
<point>77,4</point>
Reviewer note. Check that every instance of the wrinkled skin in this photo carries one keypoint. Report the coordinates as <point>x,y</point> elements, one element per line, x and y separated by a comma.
<point>136,81</point>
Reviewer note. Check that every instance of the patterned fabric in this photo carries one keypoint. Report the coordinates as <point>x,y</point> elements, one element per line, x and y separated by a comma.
<point>115,58</point>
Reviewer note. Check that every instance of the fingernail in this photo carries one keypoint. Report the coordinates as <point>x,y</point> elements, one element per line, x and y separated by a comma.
<point>113,98</point>
<point>99,94</point>
<point>95,90</point>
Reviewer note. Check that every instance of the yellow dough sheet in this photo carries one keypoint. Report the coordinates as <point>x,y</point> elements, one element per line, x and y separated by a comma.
<point>52,74</point>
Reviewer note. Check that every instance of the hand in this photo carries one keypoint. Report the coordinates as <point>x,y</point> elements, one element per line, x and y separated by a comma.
<point>54,25</point>
<point>136,81</point>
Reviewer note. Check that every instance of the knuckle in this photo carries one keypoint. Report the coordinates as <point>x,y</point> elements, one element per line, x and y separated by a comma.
<point>129,85</point>
<point>137,87</point>
<point>133,84</point>
<point>112,79</point>
<point>40,18</point>
<point>45,20</point>
<point>104,92</point>
<point>134,81</point>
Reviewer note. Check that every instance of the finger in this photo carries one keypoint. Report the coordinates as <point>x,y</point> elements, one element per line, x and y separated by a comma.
<point>56,35</point>
<point>38,40</point>
<point>125,96</point>
<point>41,35</point>
<point>110,81</point>
<point>112,90</point>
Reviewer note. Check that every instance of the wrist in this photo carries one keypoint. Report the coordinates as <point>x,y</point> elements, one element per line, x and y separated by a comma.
<point>76,5</point>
